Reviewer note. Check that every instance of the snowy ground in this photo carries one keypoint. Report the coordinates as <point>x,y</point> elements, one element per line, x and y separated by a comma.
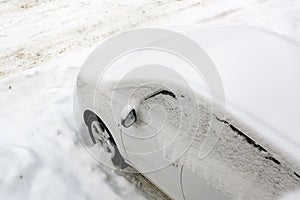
<point>42,45</point>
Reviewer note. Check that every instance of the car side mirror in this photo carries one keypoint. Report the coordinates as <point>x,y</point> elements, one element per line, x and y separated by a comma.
<point>128,116</point>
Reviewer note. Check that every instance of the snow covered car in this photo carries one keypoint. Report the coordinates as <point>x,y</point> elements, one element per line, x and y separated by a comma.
<point>164,126</point>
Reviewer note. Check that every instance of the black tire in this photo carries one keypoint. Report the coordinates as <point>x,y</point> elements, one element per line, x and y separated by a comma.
<point>117,159</point>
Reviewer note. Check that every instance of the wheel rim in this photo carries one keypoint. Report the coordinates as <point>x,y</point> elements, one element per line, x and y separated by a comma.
<point>102,138</point>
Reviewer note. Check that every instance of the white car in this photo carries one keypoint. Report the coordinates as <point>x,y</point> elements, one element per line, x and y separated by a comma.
<point>230,132</point>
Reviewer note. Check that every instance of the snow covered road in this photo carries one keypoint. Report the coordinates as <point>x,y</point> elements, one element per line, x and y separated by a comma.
<point>42,46</point>
<point>35,31</point>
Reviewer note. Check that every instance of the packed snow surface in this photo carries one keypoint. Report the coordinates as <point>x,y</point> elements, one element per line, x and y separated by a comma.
<point>42,46</point>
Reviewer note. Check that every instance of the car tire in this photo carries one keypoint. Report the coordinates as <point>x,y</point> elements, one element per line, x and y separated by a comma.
<point>92,121</point>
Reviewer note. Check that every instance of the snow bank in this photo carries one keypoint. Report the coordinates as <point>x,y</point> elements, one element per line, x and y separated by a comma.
<point>41,155</point>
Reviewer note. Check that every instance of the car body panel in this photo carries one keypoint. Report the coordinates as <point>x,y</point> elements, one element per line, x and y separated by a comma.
<point>260,74</point>
<point>204,191</point>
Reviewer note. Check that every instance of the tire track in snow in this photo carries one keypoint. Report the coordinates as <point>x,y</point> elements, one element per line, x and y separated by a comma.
<point>35,32</point>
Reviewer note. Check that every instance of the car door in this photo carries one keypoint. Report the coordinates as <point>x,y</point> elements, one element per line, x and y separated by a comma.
<point>195,188</point>
<point>156,167</point>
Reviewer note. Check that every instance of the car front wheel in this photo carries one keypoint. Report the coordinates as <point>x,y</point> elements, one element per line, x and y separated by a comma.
<point>101,135</point>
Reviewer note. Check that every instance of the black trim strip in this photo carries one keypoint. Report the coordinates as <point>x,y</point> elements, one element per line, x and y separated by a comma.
<point>164,92</point>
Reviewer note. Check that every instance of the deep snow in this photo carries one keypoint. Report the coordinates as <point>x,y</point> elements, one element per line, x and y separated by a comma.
<point>42,46</point>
